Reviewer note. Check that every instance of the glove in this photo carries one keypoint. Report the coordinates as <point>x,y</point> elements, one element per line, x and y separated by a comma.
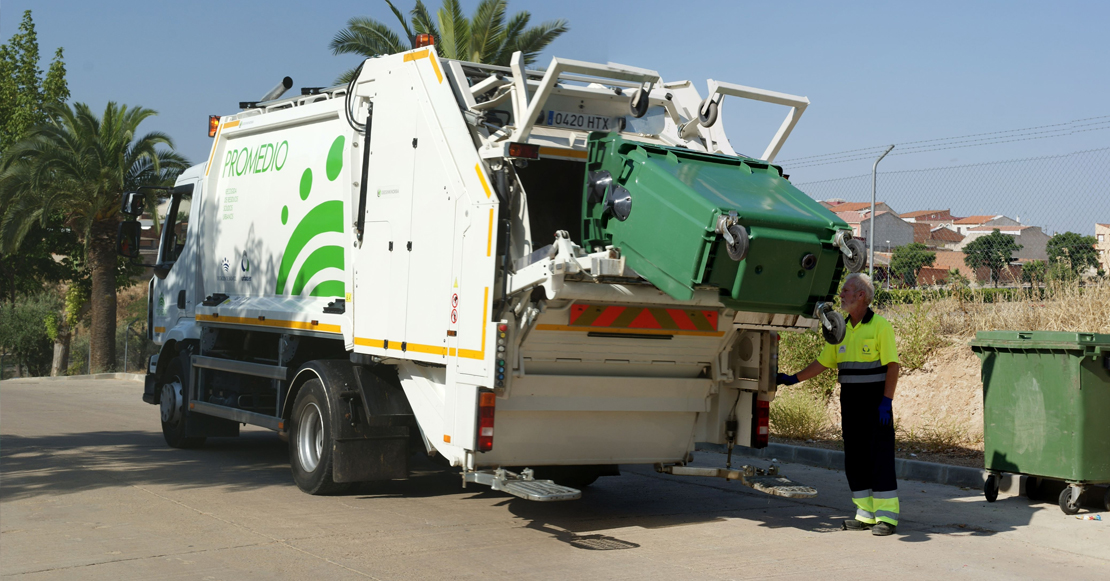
<point>886,415</point>
<point>784,379</point>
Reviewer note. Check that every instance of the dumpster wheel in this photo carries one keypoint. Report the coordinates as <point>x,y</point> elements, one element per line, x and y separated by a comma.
<point>990,488</point>
<point>836,334</point>
<point>859,256</point>
<point>1069,499</point>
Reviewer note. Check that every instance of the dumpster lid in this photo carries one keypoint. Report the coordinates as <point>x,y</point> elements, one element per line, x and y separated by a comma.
<point>1038,340</point>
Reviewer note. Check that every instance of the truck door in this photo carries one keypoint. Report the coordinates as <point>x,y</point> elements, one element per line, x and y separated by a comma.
<point>382,262</point>
<point>174,293</point>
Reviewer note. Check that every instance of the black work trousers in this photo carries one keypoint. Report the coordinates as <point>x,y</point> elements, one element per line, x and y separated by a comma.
<point>868,445</point>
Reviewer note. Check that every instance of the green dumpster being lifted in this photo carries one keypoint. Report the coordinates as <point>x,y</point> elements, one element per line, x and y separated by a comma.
<point>1046,409</point>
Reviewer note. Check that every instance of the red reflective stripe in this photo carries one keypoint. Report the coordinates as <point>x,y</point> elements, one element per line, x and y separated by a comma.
<point>576,311</point>
<point>682,320</point>
<point>644,321</point>
<point>607,317</point>
<point>711,316</point>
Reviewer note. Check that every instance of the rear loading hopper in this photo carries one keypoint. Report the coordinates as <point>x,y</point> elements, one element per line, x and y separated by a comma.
<point>684,219</point>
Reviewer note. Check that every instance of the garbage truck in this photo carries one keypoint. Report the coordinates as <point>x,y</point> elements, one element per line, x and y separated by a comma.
<point>534,276</point>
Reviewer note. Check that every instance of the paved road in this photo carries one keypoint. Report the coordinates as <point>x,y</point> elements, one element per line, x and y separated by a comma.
<point>88,490</point>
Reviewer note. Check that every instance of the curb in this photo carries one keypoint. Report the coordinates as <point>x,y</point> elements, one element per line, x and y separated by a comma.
<point>834,460</point>
<point>126,376</point>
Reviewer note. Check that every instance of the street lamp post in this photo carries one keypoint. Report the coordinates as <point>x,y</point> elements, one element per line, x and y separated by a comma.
<point>871,236</point>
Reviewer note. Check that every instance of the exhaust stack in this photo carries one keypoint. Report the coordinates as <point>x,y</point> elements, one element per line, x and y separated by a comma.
<point>279,90</point>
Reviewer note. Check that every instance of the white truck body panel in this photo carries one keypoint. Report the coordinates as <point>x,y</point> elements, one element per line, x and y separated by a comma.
<point>274,214</point>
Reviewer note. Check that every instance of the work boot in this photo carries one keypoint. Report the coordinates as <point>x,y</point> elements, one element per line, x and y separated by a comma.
<point>883,529</point>
<point>855,525</point>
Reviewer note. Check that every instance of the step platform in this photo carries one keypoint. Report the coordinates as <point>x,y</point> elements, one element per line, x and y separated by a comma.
<point>522,485</point>
<point>768,481</point>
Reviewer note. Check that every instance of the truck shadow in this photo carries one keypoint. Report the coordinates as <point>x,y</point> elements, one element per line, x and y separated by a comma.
<point>72,463</point>
<point>69,463</point>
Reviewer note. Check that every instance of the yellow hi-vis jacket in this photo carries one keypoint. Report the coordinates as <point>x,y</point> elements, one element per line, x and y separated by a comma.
<point>864,353</point>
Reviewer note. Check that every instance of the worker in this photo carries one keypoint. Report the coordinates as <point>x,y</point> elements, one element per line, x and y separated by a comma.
<point>867,365</point>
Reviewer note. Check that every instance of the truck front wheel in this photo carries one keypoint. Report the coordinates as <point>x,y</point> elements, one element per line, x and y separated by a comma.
<point>174,406</point>
<point>311,441</point>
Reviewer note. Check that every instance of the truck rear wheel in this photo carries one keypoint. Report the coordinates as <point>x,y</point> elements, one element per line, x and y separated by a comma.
<point>311,442</point>
<point>174,398</point>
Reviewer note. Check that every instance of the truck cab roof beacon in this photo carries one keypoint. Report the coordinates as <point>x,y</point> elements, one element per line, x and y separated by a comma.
<point>537,275</point>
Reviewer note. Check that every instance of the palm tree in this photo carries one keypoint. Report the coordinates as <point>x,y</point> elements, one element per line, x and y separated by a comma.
<point>485,38</point>
<point>80,165</point>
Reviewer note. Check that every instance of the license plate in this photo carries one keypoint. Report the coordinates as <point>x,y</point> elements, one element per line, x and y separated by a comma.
<point>580,121</point>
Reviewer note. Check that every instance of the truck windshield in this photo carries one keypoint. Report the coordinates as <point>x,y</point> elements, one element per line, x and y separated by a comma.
<point>176,224</point>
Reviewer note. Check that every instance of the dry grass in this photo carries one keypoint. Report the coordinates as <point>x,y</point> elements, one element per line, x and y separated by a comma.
<point>798,414</point>
<point>936,436</point>
<point>1064,307</point>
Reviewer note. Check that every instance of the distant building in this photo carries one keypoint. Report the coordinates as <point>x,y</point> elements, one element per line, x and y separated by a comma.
<point>1033,241</point>
<point>935,236</point>
<point>927,216</point>
<point>949,261</point>
<point>838,206</point>
<point>1102,246</point>
<point>890,230</point>
<point>962,225</point>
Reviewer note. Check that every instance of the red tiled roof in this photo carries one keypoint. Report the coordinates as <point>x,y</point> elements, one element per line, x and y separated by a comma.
<point>924,213</point>
<point>920,231</point>
<point>853,206</point>
<point>945,235</point>
<point>1002,228</point>
<point>975,219</point>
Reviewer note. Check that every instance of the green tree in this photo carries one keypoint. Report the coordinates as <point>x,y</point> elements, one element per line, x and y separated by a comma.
<point>24,332</point>
<point>956,279</point>
<point>1033,272</point>
<point>994,251</point>
<point>25,97</point>
<point>1075,252</point>
<point>907,260</point>
<point>484,38</point>
<point>80,164</point>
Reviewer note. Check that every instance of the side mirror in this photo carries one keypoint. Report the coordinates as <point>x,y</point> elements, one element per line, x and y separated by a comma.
<point>127,242</point>
<point>132,204</point>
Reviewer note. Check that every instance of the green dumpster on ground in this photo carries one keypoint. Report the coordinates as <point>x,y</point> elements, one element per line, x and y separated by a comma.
<point>1046,404</point>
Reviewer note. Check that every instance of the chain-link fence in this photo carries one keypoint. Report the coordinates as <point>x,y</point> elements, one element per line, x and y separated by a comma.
<point>1012,222</point>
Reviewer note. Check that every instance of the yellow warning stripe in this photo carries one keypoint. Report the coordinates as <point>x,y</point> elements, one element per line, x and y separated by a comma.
<point>562,152</point>
<point>624,331</point>
<point>216,142</point>
<point>482,178</point>
<point>303,325</point>
<point>415,56</point>
<point>489,235</point>
<point>435,66</point>
<point>436,349</point>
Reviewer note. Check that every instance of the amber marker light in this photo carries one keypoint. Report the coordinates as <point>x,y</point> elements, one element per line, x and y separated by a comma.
<point>423,40</point>
<point>213,125</point>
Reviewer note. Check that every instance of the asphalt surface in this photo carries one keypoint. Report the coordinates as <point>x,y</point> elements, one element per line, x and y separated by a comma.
<point>88,490</point>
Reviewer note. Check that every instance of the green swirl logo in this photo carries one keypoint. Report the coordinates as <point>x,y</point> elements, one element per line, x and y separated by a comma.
<point>323,218</point>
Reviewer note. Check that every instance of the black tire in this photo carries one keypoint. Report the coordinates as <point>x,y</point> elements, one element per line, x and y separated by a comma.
<point>739,249</point>
<point>990,488</point>
<point>859,256</point>
<point>708,118</point>
<point>311,441</point>
<point>638,110</point>
<point>176,381</point>
<point>835,335</point>
<point>1065,502</point>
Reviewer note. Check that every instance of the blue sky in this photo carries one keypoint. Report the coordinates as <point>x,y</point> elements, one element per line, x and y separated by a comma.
<point>875,72</point>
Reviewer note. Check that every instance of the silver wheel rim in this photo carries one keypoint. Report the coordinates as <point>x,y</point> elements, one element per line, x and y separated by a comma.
<point>310,437</point>
<point>171,401</point>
